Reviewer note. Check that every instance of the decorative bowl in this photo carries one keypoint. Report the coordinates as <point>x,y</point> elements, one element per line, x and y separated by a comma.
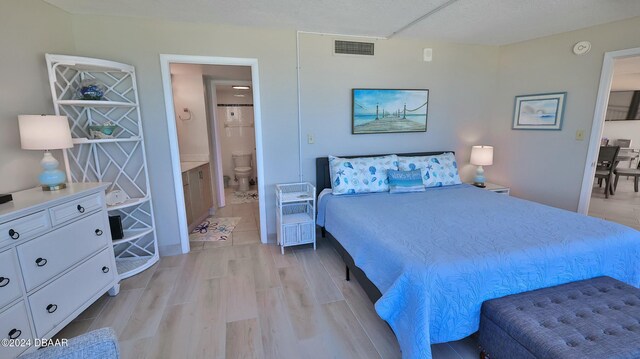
<point>92,90</point>
<point>102,131</point>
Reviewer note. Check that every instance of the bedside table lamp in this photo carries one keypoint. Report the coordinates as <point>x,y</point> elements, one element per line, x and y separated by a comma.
<point>41,132</point>
<point>481,156</point>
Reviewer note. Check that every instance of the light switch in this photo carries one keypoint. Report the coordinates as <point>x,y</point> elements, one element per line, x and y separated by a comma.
<point>580,135</point>
<point>427,54</point>
<point>310,139</point>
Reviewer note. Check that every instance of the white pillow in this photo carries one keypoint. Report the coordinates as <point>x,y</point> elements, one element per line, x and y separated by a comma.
<point>362,174</point>
<point>438,170</point>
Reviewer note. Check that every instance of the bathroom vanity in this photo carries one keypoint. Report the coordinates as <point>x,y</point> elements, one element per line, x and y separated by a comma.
<point>196,182</point>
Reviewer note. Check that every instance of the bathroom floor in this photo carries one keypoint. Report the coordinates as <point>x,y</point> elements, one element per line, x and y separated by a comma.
<point>248,229</point>
<point>235,197</point>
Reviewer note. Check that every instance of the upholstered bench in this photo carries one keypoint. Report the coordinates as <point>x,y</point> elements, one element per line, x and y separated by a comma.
<point>594,318</point>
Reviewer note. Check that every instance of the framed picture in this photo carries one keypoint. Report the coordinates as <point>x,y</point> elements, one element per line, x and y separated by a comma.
<point>389,111</point>
<point>539,112</point>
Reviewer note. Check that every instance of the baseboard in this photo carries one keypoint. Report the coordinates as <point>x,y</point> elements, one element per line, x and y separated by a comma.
<point>170,250</point>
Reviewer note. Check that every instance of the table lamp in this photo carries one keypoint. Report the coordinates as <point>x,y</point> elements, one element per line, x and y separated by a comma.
<point>481,156</point>
<point>42,132</point>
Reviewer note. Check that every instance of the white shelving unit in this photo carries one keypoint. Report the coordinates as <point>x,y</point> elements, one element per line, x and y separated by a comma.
<point>296,214</point>
<point>120,160</point>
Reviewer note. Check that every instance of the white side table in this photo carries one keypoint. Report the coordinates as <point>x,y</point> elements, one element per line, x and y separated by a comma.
<point>295,216</point>
<point>497,188</point>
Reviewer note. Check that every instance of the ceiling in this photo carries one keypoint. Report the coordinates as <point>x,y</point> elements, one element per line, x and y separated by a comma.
<point>626,74</point>
<point>229,90</point>
<point>491,22</point>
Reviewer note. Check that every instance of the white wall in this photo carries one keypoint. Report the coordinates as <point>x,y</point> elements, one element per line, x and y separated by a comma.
<point>461,80</point>
<point>614,130</point>
<point>548,166</point>
<point>193,139</point>
<point>29,29</point>
<point>226,97</point>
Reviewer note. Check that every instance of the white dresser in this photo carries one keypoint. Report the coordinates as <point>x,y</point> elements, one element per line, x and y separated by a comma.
<point>56,259</point>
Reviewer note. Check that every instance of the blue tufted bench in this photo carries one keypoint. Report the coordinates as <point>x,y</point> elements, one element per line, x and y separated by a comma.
<point>594,318</point>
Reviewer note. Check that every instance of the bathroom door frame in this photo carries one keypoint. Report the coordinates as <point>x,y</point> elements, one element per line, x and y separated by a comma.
<point>165,68</point>
<point>215,151</point>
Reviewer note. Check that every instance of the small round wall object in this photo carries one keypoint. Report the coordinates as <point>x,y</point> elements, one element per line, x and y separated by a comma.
<point>582,47</point>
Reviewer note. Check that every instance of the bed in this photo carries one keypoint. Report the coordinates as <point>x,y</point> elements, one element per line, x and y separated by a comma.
<point>429,259</point>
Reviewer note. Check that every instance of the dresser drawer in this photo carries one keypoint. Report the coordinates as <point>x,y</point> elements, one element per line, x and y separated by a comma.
<point>75,209</point>
<point>52,304</point>
<point>14,324</point>
<point>9,278</point>
<point>44,257</point>
<point>26,227</point>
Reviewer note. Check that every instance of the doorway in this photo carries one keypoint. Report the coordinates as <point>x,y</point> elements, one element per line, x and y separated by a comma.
<point>230,106</point>
<point>616,134</point>
<point>217,125</point>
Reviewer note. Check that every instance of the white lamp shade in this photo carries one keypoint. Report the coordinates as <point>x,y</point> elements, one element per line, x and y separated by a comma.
<point>40,132</point>
<point>482,155</point>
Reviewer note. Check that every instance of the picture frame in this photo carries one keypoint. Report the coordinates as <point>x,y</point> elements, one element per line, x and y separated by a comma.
<point>539,111</point>
<point>380,111</point>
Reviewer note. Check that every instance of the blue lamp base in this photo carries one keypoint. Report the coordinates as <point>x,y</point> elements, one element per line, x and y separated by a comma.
<point>51,178</point>
<point>478,180</point>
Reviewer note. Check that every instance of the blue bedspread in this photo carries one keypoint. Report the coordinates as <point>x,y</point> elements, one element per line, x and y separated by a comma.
<point>437,255</point>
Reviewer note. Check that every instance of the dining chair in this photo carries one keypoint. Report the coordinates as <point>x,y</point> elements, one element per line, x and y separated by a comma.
<point>623,143</point>
<point>607,162</point>
<point>629,172</point>
<point>626,152</point>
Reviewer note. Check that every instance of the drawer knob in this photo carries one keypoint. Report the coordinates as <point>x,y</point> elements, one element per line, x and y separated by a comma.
<point>105,269</point>
<point>98,232</point>
<point>80,209</point>
<point>41,262</point>
<point>4,281</point>
<point>15,333</point>
<point>51,308</point>
<point>13,234</point>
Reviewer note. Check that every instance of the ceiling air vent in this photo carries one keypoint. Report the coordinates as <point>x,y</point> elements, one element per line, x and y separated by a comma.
<point>353,48</point>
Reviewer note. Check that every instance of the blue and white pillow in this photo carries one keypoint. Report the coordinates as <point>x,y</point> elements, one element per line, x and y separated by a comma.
<point>405,181</point>
<point>362,174</point>
<point>437,171</point>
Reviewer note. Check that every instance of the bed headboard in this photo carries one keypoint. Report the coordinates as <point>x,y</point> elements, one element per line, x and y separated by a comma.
<point>323,179</point>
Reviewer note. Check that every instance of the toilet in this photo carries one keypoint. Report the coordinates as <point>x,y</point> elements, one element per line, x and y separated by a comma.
<point>242,169</point>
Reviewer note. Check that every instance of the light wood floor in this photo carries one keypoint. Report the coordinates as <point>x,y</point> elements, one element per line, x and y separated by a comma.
<point>623,207</point>
<point>242,299</point>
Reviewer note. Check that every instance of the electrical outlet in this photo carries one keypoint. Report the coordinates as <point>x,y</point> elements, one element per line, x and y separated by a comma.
<point>310,139</point>
<point>580,135</point>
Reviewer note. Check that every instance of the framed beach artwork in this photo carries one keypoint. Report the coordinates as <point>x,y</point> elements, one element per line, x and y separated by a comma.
<point>389,111</point>
<point>539,112</point>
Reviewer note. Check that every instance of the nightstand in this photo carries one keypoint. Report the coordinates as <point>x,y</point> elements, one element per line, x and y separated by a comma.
<point>497,188</point>
<point>296,204</point>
